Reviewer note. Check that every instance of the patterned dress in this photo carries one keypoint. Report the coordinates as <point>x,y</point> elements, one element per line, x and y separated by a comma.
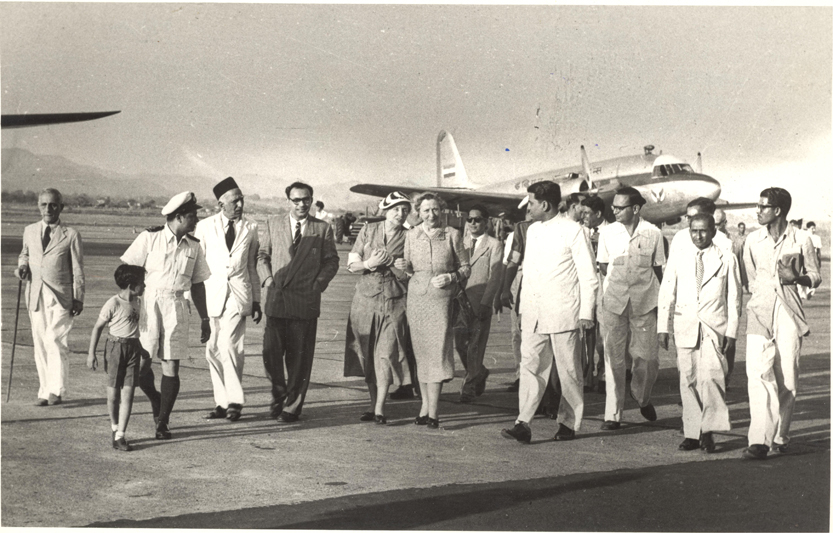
<point>429,308</point>
<point>377,331</point>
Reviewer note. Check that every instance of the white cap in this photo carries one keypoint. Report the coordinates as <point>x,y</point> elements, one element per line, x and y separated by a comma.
<point>523,202</point>
<point>183,202</point>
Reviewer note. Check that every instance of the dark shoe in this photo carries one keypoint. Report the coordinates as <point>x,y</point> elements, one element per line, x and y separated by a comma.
<point>217,412</point>
<point>380,419</point>
<point>480,388</point>
<point>421,420</point>
<point>233,412</point>
<point>162,431</point>
<point>287,418</point>
<point>756,451</point>
<point>466,398</point>
<point>610,425</point>
<point>41,402</point>
<point>405,392</point>
<point>689,444</point>
<point>564,433</point>
<point>707,442</point>
<point>515,386</point>
<point>276,409</point>
<point>648,412</point>
<point>122,445</point>
<point>368,416</point>
<point>433,423</point>
<point>520,433</point>
<point>54,400</point>
<point>780,448</point>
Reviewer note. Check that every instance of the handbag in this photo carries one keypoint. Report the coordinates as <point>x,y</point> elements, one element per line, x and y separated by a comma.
<point>465,311</point>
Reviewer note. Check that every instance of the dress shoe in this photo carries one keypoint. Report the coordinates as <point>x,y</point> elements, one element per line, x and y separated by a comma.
<point>405,392</point>
<point>276,409</point>
<point>54,400</point>
<point>480,388</point>
<point>233,412</point>
<point>515,386</point>
<point>707,442</point>
<point>756,451</point>
<point>466,398</point>
<point>287,418</point>
<point>380,419</point>
<point>217,412</point>
<point>648,412</point>
<point>610,425</point>
<point>780,448</point>
<point>41,402</point>
<point>433,423</point>
<point>122,445</point>
<point>421,420</point>
<point>520,433</point>
<point>564,433</point>
<point>162,431</point>
<point>368,416</point>
<point>689,444</point>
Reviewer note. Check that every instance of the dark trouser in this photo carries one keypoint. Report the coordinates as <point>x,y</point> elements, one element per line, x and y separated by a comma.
<point>291,342</point>
<point>471,347</point>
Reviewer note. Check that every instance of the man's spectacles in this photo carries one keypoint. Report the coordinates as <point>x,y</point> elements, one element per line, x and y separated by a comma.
<point>306,201</point>
<point>761,207</point>
<point>475,220</point>
<point>620,207</point>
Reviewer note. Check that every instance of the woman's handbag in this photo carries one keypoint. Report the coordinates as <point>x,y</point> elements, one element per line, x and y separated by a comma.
<point>465,311</point>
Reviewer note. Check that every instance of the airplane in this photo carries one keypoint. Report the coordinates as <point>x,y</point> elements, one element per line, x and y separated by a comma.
<point>667,183</point>
<point>47,119</point>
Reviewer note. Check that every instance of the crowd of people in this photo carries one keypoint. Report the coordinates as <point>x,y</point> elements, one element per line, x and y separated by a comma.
<point>591,302</point>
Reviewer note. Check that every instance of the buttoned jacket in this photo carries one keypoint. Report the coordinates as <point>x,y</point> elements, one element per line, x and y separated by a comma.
<point>486,262</point>
<point>60,266</point>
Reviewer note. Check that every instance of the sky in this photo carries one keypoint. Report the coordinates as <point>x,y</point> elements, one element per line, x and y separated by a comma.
<point>358,93</point>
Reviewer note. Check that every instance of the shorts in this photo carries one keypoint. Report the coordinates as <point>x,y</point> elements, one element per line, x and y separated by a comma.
<point>121,361</point>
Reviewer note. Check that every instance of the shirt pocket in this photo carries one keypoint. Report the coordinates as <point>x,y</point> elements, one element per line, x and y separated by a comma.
<point>645,256</point>
<point>186,265</point>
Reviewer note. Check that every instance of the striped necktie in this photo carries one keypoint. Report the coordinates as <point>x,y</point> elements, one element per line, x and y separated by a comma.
<point>297,239</point>
<point>698,272</point>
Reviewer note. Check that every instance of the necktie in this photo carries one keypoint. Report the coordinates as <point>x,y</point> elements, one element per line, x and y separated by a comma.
<point>46,237</point>
<point>297,239</point>
<point>230,235</point>
<point>698,272</point>
<point>473,244</point>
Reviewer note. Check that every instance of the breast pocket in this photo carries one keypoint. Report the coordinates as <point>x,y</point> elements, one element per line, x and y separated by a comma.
<point>186,265</point>
<point>646,257</point>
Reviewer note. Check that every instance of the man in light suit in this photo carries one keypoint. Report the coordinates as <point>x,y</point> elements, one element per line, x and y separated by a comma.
<point>53,261</point>
<point>230,243</point>
<point>702,284</point>
<point>296,262</point>
<point>557,298</point>
<point>486,260</point>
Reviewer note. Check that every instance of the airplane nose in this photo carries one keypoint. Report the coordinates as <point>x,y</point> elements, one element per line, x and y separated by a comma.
<point>711,187</point>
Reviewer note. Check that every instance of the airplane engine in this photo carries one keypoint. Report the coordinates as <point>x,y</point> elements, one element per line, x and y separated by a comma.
<point>574,185</point>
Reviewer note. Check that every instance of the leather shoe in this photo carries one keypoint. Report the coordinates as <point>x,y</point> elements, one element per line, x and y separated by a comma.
<point>610,425</point>
<point>287,418</point>
<point>275,409</point>
<point>648,412</point>
<point>54,400</point>
<point>421,420</point>
<point>233,412</point>
<point>368,416</point>
<point>217,412</point>
<point>707,442</point>
<point>480,388</point>
<point>405,392</point>
<point>466,398</point>
<point>380,419</point>
<point>122,445</point>
<point>433,423</point>
<point>520,433</point>
<point>515,386</point>
<point>780,448</point>
<point>689,444</point>
<point>41,402</point>
<point>162,431</point>
<point>756,452</point>
<point>564,433</point>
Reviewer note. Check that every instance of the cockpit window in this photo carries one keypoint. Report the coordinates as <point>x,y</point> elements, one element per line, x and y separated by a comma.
<point>674,168</point>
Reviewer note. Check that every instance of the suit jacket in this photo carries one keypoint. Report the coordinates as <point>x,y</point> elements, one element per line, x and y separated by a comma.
<point>486,271</point>
<point>718,305</point>
<point>300,277</point>
<point>60,267</point>
<point>234,270</point>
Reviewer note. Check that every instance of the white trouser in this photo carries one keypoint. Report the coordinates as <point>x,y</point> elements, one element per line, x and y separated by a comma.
<point>50,330</point>
<point>772,375</point>
<point>539,350</point>
<point>703,386</point>
<point>644,350</point>
<point>225,354</point>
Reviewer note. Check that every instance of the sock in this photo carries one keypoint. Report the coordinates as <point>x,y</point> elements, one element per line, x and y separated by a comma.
<point>147,386</point>
<point>114,427</point>
<point>119,435</point>
<point>170,389</point>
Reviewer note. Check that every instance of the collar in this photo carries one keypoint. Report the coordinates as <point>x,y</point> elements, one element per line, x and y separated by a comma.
<point>295,222</point>
<point>226,220</point>
<point>53,226</point>
<point>391,227</point>
<point>479,238</point>
<point>169,234</point>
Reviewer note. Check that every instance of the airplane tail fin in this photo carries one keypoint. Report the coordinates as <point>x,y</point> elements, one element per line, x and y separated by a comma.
<point>699,165</point>
<point>585,164</point>
<point>450,169</point>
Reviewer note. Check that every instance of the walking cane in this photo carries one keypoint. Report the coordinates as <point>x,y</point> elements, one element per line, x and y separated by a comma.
<point>14,340</point>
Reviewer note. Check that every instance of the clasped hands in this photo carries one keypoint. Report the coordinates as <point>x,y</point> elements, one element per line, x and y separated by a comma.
<point>379,256</point>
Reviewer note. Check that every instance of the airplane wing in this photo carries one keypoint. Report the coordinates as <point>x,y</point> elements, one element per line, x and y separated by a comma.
<point>27,121</point>
<point>462,199</point>
<point>738,205</point>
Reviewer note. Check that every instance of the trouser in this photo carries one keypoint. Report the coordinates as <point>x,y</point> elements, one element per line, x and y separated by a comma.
<point>471,347</point>
<point>226,356</point>
<point>515,321</point>
<point>164,324</point>
<point>51,324</point>
<point>539,352</point>
<point>290,342</point>
<point>772,374</point>
<point>644,350</point>
<point>702,386</point>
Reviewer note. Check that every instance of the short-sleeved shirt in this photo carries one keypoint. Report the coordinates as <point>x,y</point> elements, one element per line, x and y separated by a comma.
<point>170,266</point>
<point>122,316</point>
<point>630,272</point>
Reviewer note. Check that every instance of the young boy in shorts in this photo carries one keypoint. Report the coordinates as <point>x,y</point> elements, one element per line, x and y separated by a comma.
<point>122,350</point>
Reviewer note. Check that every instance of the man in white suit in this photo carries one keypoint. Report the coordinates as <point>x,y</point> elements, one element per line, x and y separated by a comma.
<point>557,298</point>
<point>52,259</point>
<point>702,284</point>
<point>230,243</point>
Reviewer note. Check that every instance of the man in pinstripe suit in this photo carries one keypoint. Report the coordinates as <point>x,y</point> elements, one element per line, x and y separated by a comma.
<point>296,261</point>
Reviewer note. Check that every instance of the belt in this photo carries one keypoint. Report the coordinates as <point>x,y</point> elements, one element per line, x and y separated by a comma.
<point>165,292</point>
<point>123,340</point>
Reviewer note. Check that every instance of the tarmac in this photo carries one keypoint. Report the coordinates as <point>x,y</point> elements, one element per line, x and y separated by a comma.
<point>331,471</point>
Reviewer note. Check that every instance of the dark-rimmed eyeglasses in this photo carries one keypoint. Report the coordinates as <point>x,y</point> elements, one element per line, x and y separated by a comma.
<point>296,201</point>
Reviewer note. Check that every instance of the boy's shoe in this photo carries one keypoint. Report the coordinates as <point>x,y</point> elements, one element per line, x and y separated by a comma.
<point>122,445</point>
<point>162,431</point>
